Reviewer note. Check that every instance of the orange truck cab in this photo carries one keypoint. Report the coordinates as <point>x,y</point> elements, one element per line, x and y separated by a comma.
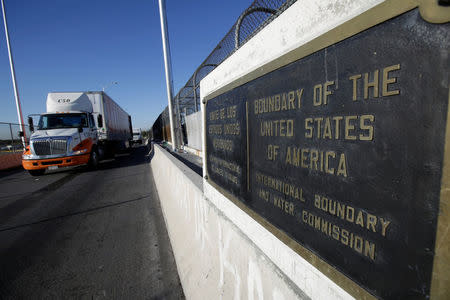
<point>78,128</point>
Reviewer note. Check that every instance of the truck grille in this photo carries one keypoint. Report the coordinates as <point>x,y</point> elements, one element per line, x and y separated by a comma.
<point>50,146</point>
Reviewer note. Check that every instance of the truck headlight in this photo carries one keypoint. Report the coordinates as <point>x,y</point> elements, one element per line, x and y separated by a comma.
<point>80,151</point>
<point>82,147</point>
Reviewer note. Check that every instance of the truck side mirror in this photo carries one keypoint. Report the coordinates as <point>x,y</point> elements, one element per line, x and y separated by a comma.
<point>100,121</point>
<point>80,129</point>
<point>30,124</point>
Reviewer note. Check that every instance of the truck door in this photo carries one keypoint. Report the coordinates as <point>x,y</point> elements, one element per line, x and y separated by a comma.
<point>92,129</point>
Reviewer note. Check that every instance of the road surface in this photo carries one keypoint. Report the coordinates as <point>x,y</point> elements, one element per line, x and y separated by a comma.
<point>85,234</point>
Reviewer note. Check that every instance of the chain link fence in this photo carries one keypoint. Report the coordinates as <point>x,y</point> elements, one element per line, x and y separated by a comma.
<point>10,140</point>
<point>250,22</point>
<point>11,147</point>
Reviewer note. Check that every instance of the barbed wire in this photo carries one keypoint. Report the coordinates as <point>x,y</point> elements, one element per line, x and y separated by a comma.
<point>252,20</point>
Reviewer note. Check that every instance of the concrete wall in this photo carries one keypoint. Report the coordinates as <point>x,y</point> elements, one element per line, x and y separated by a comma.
<point>194,130</point>
<point>215,258</point>
<point>10,160</point>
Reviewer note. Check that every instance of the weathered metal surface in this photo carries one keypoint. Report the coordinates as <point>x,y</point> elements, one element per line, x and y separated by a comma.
<point>343,151</point>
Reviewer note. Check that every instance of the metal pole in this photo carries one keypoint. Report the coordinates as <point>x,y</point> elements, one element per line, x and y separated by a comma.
<point>180,131</point>
<point>195,99</point>
<point>168,68</point>
<point>12,137</point>
<point>13,76</point>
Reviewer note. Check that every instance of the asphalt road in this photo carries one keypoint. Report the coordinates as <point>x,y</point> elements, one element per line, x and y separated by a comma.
<point>82,234</point>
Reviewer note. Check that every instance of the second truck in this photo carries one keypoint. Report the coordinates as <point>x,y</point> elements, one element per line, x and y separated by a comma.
<point>77,128</point>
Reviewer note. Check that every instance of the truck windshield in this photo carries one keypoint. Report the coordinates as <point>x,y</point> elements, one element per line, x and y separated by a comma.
<point>62,121</point>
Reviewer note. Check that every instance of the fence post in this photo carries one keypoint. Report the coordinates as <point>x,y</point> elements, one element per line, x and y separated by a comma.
<point>179,132</point>
<point>12,137</point>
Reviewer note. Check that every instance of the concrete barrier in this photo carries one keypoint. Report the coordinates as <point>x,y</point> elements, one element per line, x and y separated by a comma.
<point>10,160</point>
<point>215,259</point>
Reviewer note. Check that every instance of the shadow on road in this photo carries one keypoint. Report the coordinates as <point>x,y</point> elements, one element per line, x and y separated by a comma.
<point>75,213</point>
<point>137,156</point>
<point>10,172</point>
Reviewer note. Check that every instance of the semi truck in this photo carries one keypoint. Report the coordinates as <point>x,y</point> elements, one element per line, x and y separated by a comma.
<point>77,128</point>
<point>137,136</point>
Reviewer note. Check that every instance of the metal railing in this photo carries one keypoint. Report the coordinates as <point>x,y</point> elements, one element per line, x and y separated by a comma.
<point>250,22</point>
<point>10,140</point>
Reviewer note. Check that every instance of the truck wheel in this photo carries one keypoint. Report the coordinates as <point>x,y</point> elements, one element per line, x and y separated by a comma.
<point>93,160</point>
<point>36,172</point>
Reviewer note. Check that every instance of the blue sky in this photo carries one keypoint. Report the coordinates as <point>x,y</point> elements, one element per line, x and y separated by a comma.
<point>76,45</point>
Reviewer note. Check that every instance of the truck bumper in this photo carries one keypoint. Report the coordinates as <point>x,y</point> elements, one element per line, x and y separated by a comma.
<point>38,164</point>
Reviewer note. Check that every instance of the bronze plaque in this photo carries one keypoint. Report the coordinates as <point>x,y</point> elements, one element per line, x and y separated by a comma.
<point>343,151</point>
